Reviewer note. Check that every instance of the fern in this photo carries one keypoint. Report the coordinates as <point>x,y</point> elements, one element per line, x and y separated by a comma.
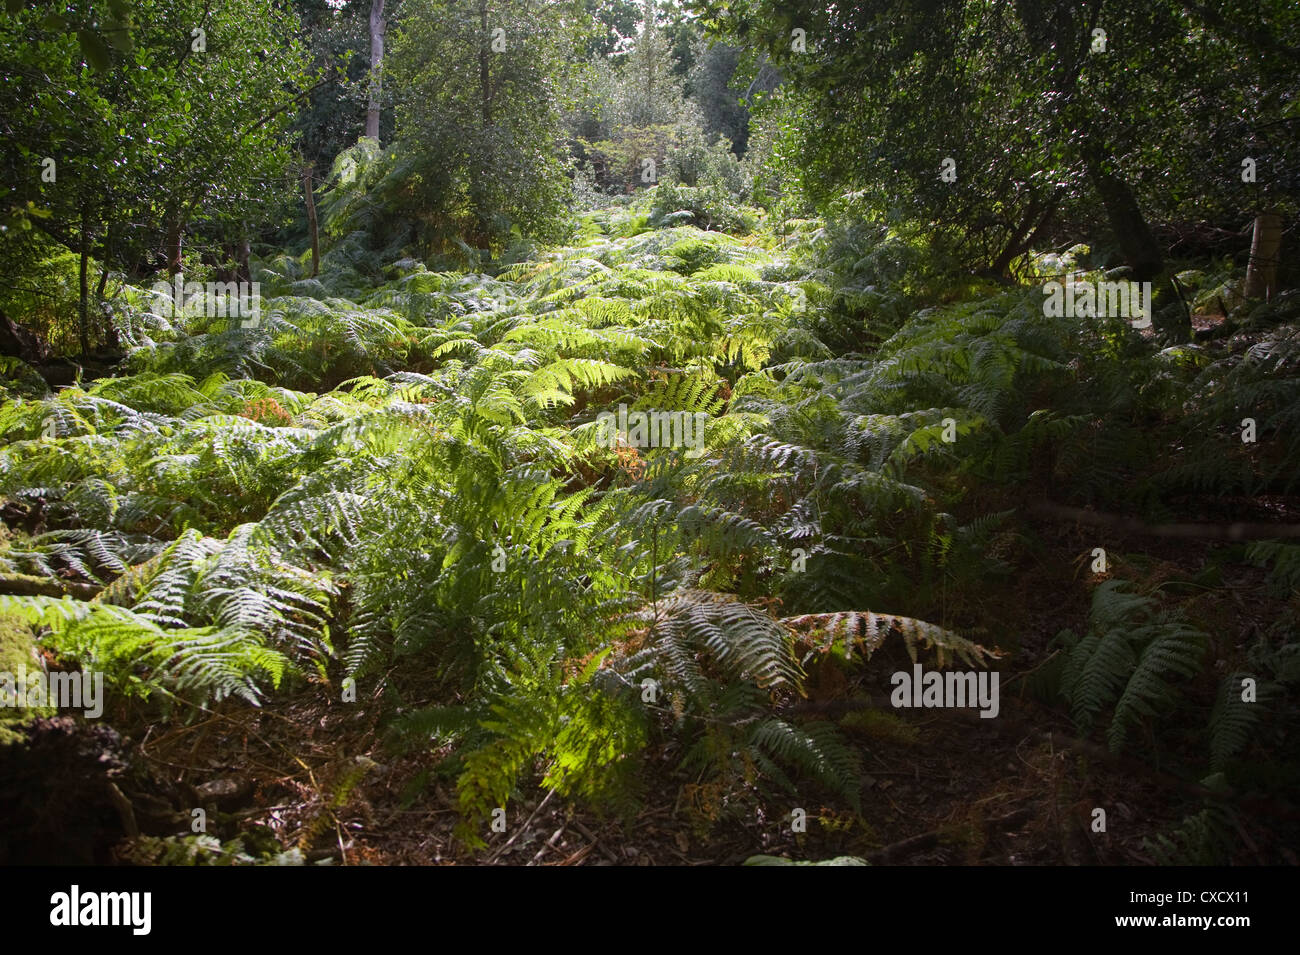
<point>815,748</point>
<point>1125,660</point>
<point>395,477</point>
<point>864,632</point>
<point>1203,838</point>
<point>1233,720</point>
<point>1283,561</point>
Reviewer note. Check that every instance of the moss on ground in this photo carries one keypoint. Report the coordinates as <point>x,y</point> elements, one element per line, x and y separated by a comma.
<point>17,649</point>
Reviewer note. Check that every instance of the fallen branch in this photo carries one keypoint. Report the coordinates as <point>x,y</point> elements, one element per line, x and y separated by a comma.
<point>549,844</point>
<point>928,840</point>
<point>1239,531</point>
<point>27,585</point>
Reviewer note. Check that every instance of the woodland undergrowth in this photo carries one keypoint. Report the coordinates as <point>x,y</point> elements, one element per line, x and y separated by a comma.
<point>395,486</point>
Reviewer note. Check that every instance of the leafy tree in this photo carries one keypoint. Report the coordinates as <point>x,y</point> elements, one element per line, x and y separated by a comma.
<point>333,116</point>
<point>1036,116</point>
<point>651,93</point>
<point>633,111</point>
<point>616,22</point>
<point>185,125</point>
<point>479,116</point>
<point>711,80</point>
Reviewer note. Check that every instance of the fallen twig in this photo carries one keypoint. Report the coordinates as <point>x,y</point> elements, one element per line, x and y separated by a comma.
<point>595,841</point>
<point>522,829</point>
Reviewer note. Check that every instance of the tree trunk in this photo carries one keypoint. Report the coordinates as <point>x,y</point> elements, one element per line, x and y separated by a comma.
<point>111,340</point>
<point>105,251</point>
<point>20,342</point>
<point>244,273</point>
<point>376,64</point>
<point>484,84</point>
<point>311,219</point>
<point>484,238</point>
<point>648,11</point>
<point>1136,242</point>
<point>173,251</point>
<point>83,327</point>
<point>1261,273</point>
<point>1061,31</point>
<point>1025,233</point>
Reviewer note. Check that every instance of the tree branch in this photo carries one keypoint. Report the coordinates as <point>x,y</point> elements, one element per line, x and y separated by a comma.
<point>27,585</point>
<point>1239,531</point>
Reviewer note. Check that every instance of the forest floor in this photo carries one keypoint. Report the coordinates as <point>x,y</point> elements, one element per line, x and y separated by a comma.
<point>941,787</point>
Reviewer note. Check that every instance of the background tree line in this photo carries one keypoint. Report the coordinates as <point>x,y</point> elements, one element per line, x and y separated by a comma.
<point>179,134</point>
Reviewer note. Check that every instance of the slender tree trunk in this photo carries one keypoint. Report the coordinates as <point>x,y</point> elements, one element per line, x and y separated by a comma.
<point>1261,273</point>
<point>376,65</point>
<point>484,78</point>
<point>311,219</point>
<point>103,283</point>
<point>110,333</point>
<point>484,238</point>
<point>244,274</point>
<point>105,251</point>
<point>173,251</point>
<point>648,11</point>
<point>1025,233</point>
<point>83,326</point>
